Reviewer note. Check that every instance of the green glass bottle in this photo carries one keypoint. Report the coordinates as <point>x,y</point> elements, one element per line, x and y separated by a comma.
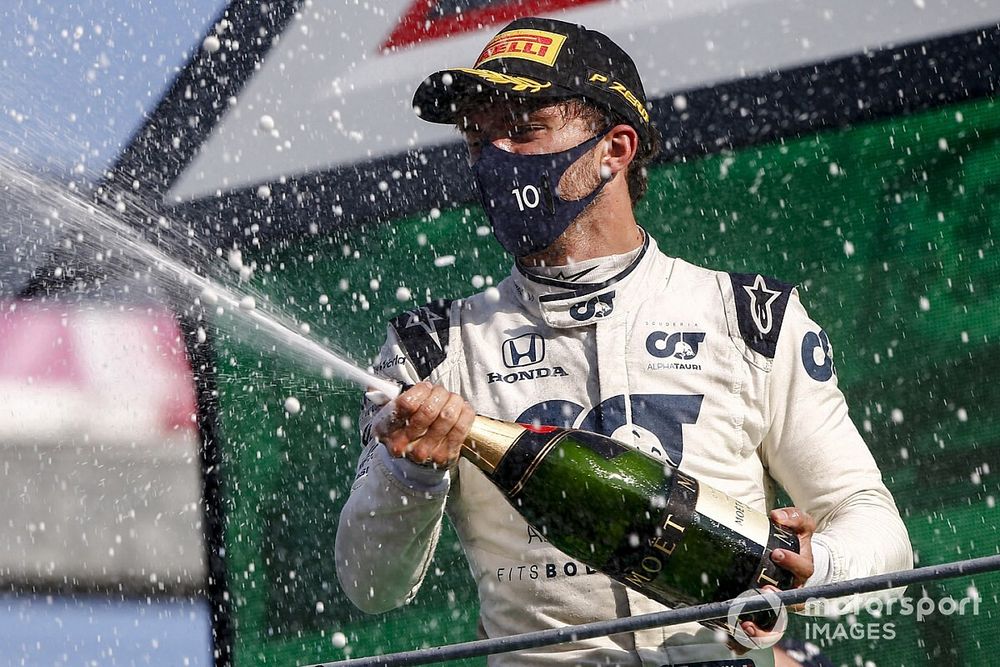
<point>643,523</point>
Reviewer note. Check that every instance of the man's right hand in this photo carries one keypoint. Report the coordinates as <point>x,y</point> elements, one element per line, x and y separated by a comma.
<point>428,425</point>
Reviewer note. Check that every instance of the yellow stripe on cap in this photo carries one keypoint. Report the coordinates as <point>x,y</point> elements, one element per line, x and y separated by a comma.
<point>518,84</point>
<point>535,45</point>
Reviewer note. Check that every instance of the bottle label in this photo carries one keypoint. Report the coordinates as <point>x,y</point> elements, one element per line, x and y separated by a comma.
<point>733,541</point>
<point>734,515</point>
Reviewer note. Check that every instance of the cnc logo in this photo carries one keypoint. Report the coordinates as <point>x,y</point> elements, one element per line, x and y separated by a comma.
<point>682,346</point>
<point>599,306</point>
<point>523,351</point>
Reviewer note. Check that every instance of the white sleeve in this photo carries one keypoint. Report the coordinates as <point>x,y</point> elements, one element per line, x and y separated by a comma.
<point>815,452</point>
<point>390,525</point>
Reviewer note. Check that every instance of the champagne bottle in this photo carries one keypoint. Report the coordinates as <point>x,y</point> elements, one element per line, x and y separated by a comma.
<point>643,523</point>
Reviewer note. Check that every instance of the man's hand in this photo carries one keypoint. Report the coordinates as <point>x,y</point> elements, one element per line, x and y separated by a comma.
<point>755,635</point>
<point>428,425</point>
<point>799,564</point>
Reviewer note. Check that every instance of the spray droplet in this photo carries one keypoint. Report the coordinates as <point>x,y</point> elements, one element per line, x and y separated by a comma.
<point>492,294</point>
<point>304,327</point>
<point>211,44</point>
<point>403,293</point>
<point>323,299</point>
<point>264,192</point>
<point>338,640</point>
<point>209,296</point>
<point>266,123</point>
<point>248,303</point>
<point>444,260</point>
<point>292,405</point>
<point>202,336</point>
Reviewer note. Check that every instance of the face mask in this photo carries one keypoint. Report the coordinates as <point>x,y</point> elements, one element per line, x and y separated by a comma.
<point>520,199</point>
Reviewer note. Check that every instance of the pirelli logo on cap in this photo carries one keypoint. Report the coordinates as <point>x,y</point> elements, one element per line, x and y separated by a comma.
<point>534,45</point>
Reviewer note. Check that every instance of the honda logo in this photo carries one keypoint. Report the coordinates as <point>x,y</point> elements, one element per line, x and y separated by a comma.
<point>523,350</point>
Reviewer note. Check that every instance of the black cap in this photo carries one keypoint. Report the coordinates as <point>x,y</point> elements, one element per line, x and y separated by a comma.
<point>537,58</point>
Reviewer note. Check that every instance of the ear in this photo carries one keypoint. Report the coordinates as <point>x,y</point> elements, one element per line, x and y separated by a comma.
<point>622,142</point>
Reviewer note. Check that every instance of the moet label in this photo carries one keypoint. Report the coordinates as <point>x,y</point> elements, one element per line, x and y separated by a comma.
<point>733,514</point>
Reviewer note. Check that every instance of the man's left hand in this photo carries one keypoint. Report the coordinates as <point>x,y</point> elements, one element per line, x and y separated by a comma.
<point>799,564</point>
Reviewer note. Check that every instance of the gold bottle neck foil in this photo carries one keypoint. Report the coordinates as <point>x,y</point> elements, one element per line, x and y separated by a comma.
<point>488,442</point>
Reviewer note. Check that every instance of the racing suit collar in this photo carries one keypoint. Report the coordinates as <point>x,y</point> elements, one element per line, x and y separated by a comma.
<point>566,303</point>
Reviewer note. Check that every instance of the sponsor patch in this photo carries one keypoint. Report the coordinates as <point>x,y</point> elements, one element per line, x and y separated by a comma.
<point>599,306</point>
<point>680,345</point>
<point>385,365</point>
<point>537,46</point>
<point>817,356</point>
<point>524,350</point>
<point>423,335</point>
<point>520,376</point>
<point>760,309</point>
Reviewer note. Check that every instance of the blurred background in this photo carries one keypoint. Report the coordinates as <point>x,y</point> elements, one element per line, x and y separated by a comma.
<point>164,502</point>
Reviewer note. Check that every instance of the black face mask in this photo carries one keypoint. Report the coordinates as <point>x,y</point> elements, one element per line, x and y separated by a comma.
<point>519,194</point>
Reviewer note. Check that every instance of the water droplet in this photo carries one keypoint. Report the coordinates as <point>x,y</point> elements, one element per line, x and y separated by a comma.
<point>211,44</point>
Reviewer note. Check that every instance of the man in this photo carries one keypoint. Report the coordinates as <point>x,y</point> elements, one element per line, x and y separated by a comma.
<point>723,374</point>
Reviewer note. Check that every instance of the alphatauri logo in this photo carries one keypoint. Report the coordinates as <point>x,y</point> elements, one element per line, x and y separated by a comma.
<point>681,347</point>
<point>599,306</point>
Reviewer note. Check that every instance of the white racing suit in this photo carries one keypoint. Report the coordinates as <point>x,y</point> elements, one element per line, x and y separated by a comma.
<point>723,374</point>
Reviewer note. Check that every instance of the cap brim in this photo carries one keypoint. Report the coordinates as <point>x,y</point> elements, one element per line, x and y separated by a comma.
<point>437,98</point>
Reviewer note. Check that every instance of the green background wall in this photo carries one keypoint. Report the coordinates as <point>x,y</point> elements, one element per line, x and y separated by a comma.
<point>888,229</point>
